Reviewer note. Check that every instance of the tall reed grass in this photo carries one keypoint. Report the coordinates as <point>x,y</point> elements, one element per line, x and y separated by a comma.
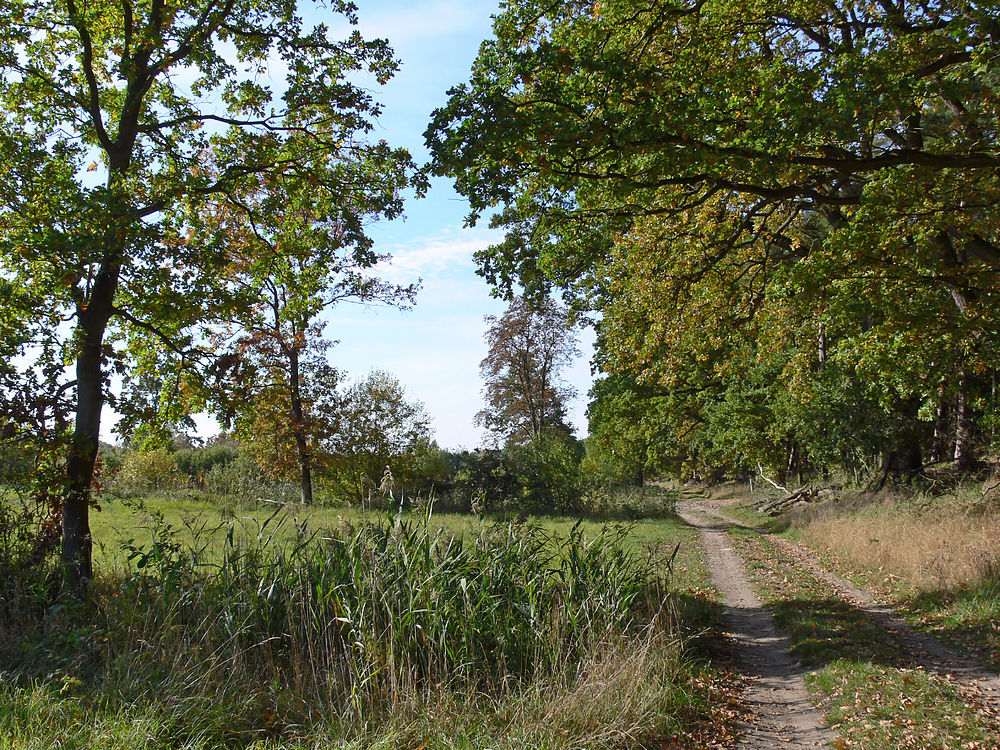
<point>361,629</point>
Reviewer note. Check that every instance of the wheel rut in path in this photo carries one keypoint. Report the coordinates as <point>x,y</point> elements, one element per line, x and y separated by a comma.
<point>785,716</point>
<point>929,653</point>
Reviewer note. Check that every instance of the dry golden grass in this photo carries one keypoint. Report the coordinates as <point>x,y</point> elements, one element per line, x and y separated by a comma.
<point>929,545</point>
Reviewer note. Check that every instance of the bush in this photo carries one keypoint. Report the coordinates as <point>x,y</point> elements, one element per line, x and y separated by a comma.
<point>220,471</point>
<point>541,477</point>
<point>548,476</point>
<point>486,480</point>
<point>144,471</point>
<point>628,502</point>
<point>241,477</point>
<point>196,463</point>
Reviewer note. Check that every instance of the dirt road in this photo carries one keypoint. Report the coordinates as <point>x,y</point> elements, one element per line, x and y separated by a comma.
<point>785,715</point>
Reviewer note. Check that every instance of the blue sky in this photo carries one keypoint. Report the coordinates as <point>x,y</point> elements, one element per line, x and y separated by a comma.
<point>434,349</point>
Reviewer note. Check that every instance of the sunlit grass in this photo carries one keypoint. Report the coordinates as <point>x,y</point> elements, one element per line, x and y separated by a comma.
<point>934,559</point>
<point>874,693</point>
<point>265,626</point>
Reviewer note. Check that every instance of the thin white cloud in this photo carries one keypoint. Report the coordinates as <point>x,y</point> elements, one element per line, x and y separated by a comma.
<point>444,253</point>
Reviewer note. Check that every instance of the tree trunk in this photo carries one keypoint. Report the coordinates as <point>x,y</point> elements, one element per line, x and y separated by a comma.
<point>964,458</point>
<point>77,545</point>
<point>906,458</point>
<point>821,347</point>
<point>993,402</point>
<point>938,446</point>
<point>792,464</point>
<point>299,430</point>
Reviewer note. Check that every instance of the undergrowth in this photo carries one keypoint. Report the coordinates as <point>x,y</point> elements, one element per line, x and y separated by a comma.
<point>384,633</point>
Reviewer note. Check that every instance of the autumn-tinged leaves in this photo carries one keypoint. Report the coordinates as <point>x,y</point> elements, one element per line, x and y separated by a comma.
<point>743,192</point>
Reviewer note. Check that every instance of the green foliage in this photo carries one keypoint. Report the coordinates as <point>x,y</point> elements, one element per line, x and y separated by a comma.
<point>485,480</point>
<point>143,471</point>
<point>354,626</point>
<point>196,463</point>
<point>15,463</point>
<point>783,216</point>
<point>548,475</point>
<point>540,477</point>
<point>373,426</point>
<point>625,427</point>
<point>220,472</point>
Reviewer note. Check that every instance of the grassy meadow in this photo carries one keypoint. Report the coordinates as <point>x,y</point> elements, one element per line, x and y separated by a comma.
<point>237,625</point>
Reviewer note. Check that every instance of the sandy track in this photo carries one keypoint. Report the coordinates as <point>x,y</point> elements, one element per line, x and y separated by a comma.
<point>784,715</point>
<point>929,653</point>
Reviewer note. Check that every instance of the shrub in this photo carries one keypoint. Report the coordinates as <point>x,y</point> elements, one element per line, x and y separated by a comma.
<point>196,463</point>
<point>241,477</point>
<point>548,475</point>
<point>541,477</point>
<point>143,471</point>
<point>486,480</point>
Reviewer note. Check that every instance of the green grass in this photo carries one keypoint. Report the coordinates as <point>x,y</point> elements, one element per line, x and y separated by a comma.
<point>873,692</point>
<point>215,627</point>
<point>120,521</point>
<point>903,708</point>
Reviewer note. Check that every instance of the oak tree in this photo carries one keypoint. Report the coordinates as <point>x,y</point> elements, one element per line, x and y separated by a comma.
<point>298,247</point>
<point>683,167</point>
<point>119,119</point>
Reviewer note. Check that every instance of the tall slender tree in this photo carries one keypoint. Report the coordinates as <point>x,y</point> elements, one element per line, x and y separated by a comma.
<point>529,346</point>
<point>118,120</point>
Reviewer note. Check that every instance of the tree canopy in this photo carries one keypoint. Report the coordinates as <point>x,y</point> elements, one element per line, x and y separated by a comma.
<point>119,121</point>
<point>375,429</point>
<point>796,200</point>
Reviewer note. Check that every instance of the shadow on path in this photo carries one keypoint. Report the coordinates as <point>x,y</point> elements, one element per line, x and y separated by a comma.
<point>784,715</point>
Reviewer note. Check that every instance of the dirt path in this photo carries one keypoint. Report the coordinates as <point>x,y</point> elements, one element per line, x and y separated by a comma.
<point>785,715</point>
<point>929,653</point>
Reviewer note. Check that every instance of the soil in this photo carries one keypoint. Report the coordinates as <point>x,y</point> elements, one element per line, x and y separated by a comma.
<point>784,715</point>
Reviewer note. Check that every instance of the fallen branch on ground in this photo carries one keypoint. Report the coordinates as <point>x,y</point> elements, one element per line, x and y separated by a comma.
<point>803,494</point>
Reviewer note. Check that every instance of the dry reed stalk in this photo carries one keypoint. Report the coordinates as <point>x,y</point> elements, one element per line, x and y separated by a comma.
<point>940,549</point>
